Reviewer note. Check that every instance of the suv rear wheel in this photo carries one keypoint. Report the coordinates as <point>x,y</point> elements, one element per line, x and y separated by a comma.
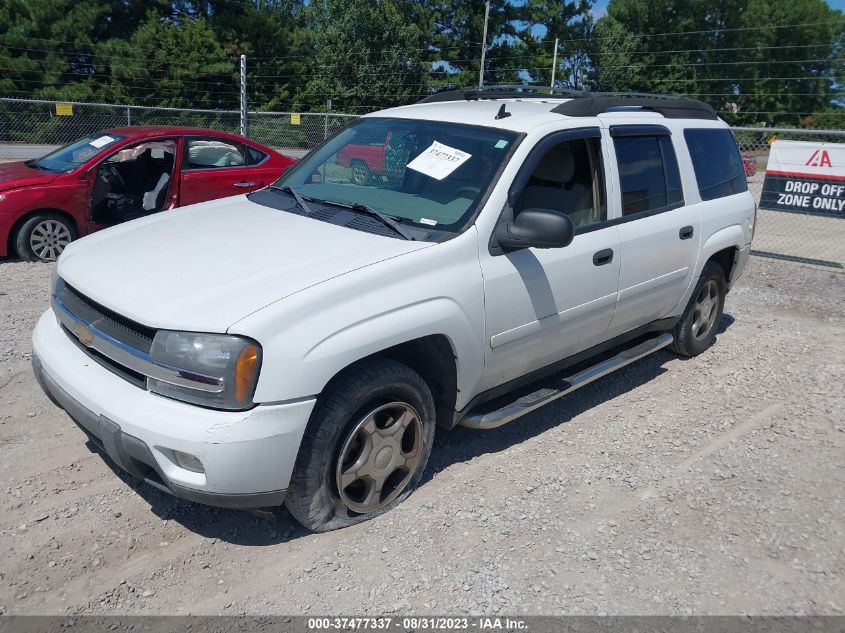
<point>365,448</point>
<point>696,331</point>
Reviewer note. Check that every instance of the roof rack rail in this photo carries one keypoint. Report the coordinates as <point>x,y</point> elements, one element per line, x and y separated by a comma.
<point>584,103</point>
<point>671,107</point>
<point>509,91</point>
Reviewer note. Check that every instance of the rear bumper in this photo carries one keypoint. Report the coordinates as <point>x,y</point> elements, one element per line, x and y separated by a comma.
<point>247,456</point>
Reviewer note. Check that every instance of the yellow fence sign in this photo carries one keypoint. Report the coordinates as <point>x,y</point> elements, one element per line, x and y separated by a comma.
<point>294,118</point>
<point>64,109</point>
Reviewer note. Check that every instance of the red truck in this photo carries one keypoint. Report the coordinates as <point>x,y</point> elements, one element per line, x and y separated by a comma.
<point>366,159</point>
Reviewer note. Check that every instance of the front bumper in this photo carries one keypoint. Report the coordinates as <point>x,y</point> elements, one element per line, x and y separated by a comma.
<point>247,456</point>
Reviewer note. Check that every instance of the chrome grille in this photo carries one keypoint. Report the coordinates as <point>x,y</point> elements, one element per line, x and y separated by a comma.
<point>123,329</point>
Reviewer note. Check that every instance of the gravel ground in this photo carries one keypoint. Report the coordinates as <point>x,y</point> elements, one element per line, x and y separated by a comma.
<point>704,486</point>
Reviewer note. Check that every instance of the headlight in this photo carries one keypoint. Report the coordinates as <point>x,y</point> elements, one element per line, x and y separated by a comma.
<point>224,368</point>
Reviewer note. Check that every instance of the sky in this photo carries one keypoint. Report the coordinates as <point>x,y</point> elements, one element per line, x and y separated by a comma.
<point>600,6</point>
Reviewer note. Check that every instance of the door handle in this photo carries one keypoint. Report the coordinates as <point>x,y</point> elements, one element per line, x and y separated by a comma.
<point>603,257</point>
<point>245,184</point>
<point>686,232</point>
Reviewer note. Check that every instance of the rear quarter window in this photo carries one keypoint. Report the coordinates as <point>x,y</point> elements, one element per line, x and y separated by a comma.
<point>717,163</point>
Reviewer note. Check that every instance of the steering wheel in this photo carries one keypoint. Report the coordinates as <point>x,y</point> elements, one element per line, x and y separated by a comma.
<point>112,175</point>
<point>472,191</point>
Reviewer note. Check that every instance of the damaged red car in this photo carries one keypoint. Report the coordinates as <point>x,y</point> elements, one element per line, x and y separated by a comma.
<point>122,174</point>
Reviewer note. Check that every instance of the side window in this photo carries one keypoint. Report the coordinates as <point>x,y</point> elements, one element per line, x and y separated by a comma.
<point>716,162</point>
<point>569,178</point>
<point>256,156</point>
<point>648,173</point>
<point>210,153</point>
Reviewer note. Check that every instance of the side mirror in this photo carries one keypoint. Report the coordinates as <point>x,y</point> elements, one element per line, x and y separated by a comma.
<point>538,228</point>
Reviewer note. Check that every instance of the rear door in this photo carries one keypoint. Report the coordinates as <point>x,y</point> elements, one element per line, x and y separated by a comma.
<point>214,167</point>
<point>659,234</point>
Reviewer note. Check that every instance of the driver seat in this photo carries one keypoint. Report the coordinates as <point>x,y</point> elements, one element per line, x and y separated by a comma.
<point>551,186</point>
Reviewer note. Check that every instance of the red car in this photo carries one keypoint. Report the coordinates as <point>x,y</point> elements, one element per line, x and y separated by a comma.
<point>749,164</point>
<point>121,174</point>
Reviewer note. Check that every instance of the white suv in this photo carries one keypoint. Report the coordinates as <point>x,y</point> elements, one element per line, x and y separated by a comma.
<point>463,260</point>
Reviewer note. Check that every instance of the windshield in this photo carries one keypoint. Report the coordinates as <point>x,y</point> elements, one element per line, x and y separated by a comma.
<point>74,155</point>
<point>419,172</point>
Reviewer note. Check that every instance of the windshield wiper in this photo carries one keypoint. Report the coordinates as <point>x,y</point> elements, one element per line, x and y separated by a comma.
<point>385,219</point>
<point>299,199</point>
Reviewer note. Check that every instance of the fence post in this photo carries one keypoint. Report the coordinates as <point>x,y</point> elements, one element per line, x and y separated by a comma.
<point>244,126</point>
<point>326,119</point>
<point>128,115</point>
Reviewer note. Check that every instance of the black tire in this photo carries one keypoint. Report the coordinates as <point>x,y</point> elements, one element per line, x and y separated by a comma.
<point>361,173</point>
<point>59,233</point>
<point>313,497</point>
<point>696,332</point>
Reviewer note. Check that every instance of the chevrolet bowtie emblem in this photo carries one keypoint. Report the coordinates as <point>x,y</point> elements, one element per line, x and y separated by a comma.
<point>84,334</point>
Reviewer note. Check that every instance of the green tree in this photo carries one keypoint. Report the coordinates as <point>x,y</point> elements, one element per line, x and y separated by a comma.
<point>755,61</point>
<point>365,57</point>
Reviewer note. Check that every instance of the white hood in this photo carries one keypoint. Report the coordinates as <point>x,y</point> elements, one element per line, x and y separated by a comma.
<point>204,267</point>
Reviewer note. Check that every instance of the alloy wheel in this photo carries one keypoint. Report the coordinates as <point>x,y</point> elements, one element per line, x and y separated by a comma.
<point>705,310</point>
<point>48,239</point>
<point>379,457</point>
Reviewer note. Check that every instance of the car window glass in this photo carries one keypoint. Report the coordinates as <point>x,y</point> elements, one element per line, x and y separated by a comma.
<point>648,173</point>
<point>256,156</point>
<point>214,153</point>
<point>716,162</point>
<point>568,179</point>
<point>424,172</point>
<point>71,156</point>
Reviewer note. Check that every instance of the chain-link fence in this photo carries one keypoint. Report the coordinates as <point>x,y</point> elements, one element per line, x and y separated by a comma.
<point>814,237</point>
<point>30,128</point>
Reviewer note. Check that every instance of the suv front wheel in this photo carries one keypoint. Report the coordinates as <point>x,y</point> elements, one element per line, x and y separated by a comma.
<point>365,448</point>
<point>696,331</point>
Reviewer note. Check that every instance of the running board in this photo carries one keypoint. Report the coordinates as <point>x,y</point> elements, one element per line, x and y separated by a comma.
<point>535,400</point>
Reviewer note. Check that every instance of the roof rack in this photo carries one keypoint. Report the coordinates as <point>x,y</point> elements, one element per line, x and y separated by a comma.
<point>671,107</point>
<point>584,103</point>
<point>510,91</point>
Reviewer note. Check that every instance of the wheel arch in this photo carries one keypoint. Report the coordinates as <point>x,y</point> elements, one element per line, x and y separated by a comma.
<point>722,247</point>
<point>432,357</point>
<point>13,233</point>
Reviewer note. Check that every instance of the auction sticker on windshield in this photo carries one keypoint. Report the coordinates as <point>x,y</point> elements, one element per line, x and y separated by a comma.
<point>805,177</point>
<point>102,141</point>
<point>439,160</point>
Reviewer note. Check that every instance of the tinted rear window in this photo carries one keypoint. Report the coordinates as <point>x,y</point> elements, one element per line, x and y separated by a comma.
<point>649,173</point>
<point>717,163</point>
<point>256,156</point>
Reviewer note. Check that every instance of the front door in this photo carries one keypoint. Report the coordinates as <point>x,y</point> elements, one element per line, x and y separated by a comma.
<point>543,305</point>
<point>214,168</point>
<point>659,234</point>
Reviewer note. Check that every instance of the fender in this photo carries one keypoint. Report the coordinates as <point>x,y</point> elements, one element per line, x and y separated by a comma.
<point>311,336</point>
<point>439,315</point>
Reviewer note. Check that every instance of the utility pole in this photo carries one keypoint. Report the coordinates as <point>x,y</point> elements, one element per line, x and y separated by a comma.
<point>484,44</point>
<point>244,126</point>
<point>554,66</point>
